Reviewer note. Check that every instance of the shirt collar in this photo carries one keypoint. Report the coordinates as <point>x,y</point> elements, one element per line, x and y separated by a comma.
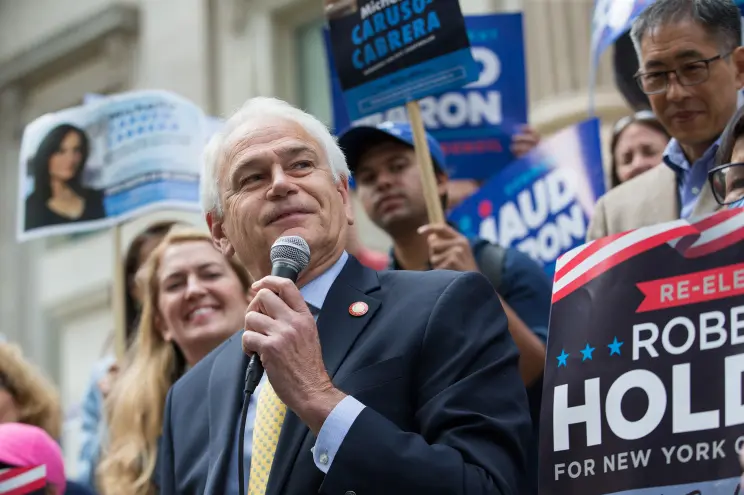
<point>317,289</point>
<point>675,158</point>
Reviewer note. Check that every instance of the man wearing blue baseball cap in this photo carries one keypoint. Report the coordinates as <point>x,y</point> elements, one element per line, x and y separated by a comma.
<point>383,163</point>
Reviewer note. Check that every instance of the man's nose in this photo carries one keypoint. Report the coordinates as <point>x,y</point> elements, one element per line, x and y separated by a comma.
<point>385,180</point>
<point>281,184</point>
<point>675,91</point>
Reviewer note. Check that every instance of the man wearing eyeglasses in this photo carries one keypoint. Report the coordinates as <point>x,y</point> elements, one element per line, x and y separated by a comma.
<point>691,68</point>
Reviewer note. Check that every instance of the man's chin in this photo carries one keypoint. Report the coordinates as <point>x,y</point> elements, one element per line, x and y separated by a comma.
<point>397,222</point>
<point>695,135</point>
<point>298,230</point>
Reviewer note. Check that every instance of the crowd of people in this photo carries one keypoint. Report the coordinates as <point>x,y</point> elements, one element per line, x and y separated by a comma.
<point>435,384</point>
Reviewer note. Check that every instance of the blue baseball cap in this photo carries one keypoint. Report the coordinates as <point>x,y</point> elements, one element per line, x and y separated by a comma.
<point>356,140</point>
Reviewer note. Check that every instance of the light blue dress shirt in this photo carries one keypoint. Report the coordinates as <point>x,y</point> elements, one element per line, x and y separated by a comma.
<point>93,425</point>
<point>336,425</point>
<point>691,179</point>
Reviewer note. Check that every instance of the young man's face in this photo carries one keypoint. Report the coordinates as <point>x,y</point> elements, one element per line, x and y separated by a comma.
<point>389,185</point>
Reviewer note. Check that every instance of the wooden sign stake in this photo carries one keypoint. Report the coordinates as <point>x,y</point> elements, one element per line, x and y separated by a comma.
<point>423,157</point>
<point>118,296</point>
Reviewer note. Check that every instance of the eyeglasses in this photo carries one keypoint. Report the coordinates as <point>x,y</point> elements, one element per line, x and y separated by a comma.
<point>727,183</point>
<point>690,74</point>
<point>642,116</point>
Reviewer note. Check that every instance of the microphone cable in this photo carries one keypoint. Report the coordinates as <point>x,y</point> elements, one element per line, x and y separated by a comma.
<point>253,374</point>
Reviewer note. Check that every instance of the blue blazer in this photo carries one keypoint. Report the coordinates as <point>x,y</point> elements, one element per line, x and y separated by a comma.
<point>433,362</point>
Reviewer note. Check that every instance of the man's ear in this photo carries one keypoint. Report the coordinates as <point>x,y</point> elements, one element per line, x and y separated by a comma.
<point>342,186</point>
<point>737,57</point>
<point>219,239</point>
<point>441,182</point>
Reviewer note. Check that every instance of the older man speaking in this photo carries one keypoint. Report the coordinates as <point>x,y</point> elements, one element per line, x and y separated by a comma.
<point>381,382</point>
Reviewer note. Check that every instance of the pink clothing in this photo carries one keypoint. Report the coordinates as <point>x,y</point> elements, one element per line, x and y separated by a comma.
<point>372,259</point>
<point>24,445</point>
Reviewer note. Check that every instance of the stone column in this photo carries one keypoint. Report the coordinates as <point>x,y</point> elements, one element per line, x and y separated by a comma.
<point>21,316</point>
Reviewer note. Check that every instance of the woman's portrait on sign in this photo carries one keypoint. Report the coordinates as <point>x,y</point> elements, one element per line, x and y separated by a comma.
<point>57,168</point>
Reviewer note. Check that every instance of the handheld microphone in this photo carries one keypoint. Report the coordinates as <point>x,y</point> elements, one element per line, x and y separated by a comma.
<point>289,255</point>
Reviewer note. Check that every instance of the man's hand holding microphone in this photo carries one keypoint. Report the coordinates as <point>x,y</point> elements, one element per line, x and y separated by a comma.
<point>281,331</point>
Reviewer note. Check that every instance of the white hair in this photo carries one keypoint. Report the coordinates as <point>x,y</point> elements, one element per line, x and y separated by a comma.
<point>257,109</point>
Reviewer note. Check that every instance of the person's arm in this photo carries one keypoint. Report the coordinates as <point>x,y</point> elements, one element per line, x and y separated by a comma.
<point>526,292</point>
<point>531,348</point>
<point>92,422</point>
<point>472,419</point>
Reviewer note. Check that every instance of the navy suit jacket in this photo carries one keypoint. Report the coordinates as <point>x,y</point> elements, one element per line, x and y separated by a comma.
<point>432,361</point>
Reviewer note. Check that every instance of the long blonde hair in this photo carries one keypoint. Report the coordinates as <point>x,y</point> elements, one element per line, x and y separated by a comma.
<point>37,399</point>
<point>135,405</point>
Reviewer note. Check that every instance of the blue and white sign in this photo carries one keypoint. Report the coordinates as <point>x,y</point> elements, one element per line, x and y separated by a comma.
<point>109,160</point>
<point>474,124</point>
<point>542,203</point>
<point>611,19</point>
<point>389,53</point>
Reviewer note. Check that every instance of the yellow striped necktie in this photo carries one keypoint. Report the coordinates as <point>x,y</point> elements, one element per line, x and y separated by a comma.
<point>270,412</point>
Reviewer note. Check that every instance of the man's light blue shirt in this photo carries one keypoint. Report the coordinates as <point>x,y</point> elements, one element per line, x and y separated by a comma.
<point>336,425</point>
<point>691,179</point>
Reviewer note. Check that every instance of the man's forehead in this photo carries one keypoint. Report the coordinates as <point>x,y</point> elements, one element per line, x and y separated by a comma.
<point>383,151</point>
<point>276,135</point>
<point>272,129</point>
<point>676,41</point>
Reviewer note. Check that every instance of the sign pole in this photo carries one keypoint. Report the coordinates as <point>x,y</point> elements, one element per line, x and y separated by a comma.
<point>119,296</point>
<point>423,157</point>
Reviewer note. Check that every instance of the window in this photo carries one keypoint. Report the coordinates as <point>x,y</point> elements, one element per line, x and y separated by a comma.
<point>313,83</point>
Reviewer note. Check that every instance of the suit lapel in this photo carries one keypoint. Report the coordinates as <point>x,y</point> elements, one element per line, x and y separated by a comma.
<point>666,199</point>
<point>338,330</point>
<point>665,196</point>
<point>225,396</point>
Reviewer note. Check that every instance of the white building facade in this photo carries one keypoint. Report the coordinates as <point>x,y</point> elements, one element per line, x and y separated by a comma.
<point>55,294</point>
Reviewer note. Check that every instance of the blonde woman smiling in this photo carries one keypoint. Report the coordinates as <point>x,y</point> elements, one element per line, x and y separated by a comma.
<point>194,299</point>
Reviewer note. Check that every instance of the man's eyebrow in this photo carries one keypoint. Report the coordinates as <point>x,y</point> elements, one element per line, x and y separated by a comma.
<point>287,151</point>
<point>295,149</point>
<point>679,56</point>
<point>689,53</point>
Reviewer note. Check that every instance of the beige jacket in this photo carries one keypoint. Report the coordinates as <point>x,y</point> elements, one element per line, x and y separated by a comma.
<point>647,199</point>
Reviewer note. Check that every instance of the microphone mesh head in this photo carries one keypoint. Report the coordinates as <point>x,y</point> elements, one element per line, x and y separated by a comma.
<point>292,250</point>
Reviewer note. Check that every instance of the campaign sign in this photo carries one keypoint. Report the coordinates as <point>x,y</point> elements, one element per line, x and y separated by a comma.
<point>211,125</point>
<point>474,124</point>
<point>388,53</point>
<point>612,19</point>
<point>111,159</point>
<point>643,379</point>
<point>542,203</point>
